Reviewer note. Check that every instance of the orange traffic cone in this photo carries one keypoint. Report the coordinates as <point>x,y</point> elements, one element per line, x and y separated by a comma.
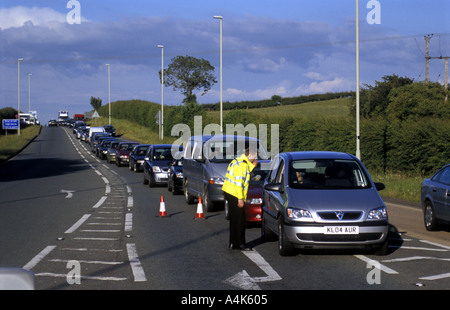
<point>199,214</point>
<point>162,207</point>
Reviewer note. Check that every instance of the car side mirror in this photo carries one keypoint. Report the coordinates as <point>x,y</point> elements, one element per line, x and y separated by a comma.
<point>275,187</point>
<point>379,186</point>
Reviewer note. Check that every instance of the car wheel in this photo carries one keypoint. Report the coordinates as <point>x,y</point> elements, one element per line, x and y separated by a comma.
<point>189,199</point>
<point>207,204</point>
<point>145,180</point>
<point>285,248</point>
<point>429,218</point>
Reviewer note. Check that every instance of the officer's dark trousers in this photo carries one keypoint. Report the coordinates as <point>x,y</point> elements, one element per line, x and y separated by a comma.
<point>237,221</point>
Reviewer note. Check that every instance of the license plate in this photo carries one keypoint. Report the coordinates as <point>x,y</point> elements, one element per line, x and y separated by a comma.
<point>341,230</point>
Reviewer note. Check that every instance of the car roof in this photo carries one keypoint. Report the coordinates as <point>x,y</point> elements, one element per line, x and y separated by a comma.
<point>316,155</point>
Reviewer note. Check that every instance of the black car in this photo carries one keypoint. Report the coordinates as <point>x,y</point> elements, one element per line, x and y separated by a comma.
<point>435,197</point>
<point>94,139</point>
<point>156,164</point>
<point>175,176</point>
<point>110,129</point>
<point>137,157</point>
<point>103,146</point>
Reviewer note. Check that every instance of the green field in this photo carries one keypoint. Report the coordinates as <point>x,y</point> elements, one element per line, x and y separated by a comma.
<point>334,108</point>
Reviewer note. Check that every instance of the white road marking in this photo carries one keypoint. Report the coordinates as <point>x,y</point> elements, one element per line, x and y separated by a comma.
<point>100,202</point>
<point>59,275</point>
<point>77,224</point>
<point>35,260</point>
<point>382,267</point>
<point>129,222</point>
<point>138,271</point>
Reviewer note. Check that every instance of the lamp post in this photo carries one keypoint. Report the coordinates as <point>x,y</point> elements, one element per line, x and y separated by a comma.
<point>221,83</point>
<point>162,91</point>
<point>358,151</point>
<point>18,93</point>
<point>29,92</point>
<point>109,92</point>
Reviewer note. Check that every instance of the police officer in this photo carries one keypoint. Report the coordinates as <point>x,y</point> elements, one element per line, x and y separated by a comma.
<point>235,189</point>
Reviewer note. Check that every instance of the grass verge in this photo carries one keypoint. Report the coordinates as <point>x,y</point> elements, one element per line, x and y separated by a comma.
<point>12,143</point>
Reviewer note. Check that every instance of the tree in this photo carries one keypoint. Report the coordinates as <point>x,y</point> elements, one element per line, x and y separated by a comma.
<point>96,103</point>
<point>374,99</point>
<point>189,74</point>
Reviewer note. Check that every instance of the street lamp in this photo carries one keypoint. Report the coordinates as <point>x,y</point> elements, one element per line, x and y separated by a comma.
<point>221,84</point>
<point>18,93</point>
<point>29,92</point>
<point>358,151</point>
<point>109,91</point>
<point>162,91</point>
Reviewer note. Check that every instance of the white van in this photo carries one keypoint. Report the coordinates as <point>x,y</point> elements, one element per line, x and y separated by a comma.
<point>94,129</point>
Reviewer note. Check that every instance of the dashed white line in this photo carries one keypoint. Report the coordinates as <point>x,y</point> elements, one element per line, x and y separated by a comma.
<point>77,224</point>
<point>35,260</point>
<point>136,267</point>
<point>129,222</point>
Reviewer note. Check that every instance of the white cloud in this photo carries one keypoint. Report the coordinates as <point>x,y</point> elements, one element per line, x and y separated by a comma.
<point>19,16</point>
<point>336,84</point>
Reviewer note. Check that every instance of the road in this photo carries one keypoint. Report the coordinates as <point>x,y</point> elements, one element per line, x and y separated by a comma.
<point>79,223</point>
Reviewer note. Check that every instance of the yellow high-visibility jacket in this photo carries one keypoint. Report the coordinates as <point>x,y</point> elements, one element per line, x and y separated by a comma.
<point>237,177</point>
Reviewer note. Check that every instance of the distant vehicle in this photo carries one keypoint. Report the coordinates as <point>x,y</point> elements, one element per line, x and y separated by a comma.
<point>96,136</point>
<point>103,147</point>
<point>323,200</point>
<point>94,129</point>
<point>175,175</point>
<point>78,117</point>
<point>205,163</point>
<point>137,157</point>
<point>76,125</point>
<point>156,164</point>
<point>110,129</point>
<point>123,151</point>
<point>435,198</point>
<point>52,123</point>
<point>111,152</point>
<point>63,116</point>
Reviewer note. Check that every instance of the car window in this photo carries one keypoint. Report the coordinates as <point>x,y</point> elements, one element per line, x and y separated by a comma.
<point>279,176</point>
<point>327,173</point>
<point>162,154</point>
<point>445,176</point>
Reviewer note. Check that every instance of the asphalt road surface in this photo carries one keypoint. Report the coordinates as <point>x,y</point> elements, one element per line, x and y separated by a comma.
<point>79,223</point>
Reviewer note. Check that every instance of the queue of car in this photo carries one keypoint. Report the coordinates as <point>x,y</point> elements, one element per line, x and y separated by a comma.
<point>305,200</point>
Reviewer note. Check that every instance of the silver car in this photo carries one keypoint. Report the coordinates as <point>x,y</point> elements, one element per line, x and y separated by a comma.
<point>435,197</point>
<point>323,200</point>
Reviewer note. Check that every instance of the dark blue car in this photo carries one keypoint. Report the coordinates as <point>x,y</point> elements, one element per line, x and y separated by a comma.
<point>435,197</point>
<point>137,157</point>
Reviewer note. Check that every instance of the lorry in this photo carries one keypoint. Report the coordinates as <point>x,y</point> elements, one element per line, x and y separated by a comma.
<point>63,116</point>
<point>78,117</point>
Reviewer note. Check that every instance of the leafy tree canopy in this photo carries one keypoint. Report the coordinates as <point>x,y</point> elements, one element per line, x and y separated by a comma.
<point>188,74</point>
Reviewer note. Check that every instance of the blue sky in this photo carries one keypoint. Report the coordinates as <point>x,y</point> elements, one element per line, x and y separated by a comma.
<point>285,47</point>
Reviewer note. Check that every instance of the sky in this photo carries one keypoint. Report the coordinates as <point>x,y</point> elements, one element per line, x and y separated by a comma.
<point>284,47</point>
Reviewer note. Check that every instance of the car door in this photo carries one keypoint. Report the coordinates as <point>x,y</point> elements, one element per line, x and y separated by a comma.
<point>443,193</point>
<point>272,198</point>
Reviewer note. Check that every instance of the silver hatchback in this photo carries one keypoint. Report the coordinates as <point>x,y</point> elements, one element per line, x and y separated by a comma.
<point>323,200</point>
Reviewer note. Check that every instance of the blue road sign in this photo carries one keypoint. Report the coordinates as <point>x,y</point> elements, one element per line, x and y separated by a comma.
<point>10,124</point>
